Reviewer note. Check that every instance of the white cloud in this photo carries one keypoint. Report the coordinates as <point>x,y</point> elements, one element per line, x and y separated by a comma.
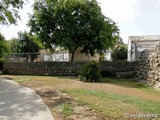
<point>148,17</point>
<point>129,28</point>
<point>134,17</point>
<point>143,6</point>
<point>118,10</point>
<point>122,12</point>
<point>11,31</point>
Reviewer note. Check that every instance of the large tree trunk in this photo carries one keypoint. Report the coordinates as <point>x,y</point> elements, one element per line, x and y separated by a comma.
<point>32,58</point>
<point>72,55</point>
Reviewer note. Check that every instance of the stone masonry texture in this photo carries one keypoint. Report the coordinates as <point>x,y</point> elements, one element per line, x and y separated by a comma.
<point>148,67</point>
<point>113,69</point>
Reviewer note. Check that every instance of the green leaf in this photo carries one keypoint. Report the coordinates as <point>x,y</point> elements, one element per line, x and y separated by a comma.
<point>73,24</point>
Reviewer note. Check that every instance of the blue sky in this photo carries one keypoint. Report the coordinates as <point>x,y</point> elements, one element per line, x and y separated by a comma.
<point>134,17</point>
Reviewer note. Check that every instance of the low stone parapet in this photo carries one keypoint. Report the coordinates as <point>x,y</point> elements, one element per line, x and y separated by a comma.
<point>62,68</point>
<point>126,75</point>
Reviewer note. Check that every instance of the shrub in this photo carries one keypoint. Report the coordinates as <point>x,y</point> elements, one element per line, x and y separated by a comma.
<point>90,72</point>
<point>120,53</point>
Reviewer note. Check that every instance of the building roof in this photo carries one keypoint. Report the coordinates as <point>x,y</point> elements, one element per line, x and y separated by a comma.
<point>145,38</point>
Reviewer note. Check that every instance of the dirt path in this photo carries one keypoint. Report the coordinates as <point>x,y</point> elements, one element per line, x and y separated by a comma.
<point>71,84</point>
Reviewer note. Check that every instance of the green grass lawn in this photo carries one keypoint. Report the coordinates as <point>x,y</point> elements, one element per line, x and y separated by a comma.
<point>110,103</point>
<point>114,105</point>
<point>67,109</point>
<point>131,84</point>
<point>124,82</point>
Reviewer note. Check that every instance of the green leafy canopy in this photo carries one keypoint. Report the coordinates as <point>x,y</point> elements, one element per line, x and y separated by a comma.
<point>3,48</point>
<point>73,24</point>
<point>9,11</point>
<point>27,43</point>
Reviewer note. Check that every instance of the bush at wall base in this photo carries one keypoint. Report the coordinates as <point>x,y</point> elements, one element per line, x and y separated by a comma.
<point>90,72</point>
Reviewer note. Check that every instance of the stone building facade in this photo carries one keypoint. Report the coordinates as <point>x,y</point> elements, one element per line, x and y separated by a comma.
<point>65,55</point>
<point>83,57</point>
<point>137,44</point>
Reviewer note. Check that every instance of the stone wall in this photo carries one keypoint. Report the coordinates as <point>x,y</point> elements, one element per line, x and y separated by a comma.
<point>148,67</point>
<point>118,69</point>
<point>42,68</point>
<point>115,69</point>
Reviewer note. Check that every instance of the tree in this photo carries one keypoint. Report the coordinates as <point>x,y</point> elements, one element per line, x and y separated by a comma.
<point>13,44</point>
<point>9,11</point>
<point>27,44</point>
<point>119,50</point>
<point>3,48</point>
<point>73,24</point>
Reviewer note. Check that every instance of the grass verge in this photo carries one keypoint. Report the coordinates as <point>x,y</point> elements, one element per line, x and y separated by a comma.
<point>67,109</point>
<point>114,105</point>
<point>129,83</point>
<point>139,98</point>
<point>124,82</point>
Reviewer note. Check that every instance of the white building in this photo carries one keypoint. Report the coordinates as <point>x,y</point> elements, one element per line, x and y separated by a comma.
<point>137,44</point>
